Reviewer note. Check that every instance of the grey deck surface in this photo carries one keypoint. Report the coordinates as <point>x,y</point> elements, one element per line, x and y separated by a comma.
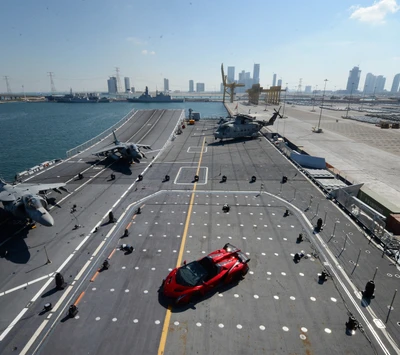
<point>279,308</point>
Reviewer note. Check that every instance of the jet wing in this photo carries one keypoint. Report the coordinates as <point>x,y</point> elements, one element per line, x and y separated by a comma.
<point>6,196</point>
<point>35,189</point>
<point>110,148</point>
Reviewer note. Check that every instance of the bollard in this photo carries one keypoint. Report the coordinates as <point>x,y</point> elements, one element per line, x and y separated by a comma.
<point>140,177</point>
<point>319,224</point>
<point>297,257</point>
<point>299,238</point>
<point>111,218</point>
<point>226,207</point>
<point>323,277</point>
<point>196,178</point>
<point>112,177</point>
<point>80,176</point>
<point>369,290</point>
<point>60,283</point>
<point>166,178</point>
<point>351,324</point>
<point>106,265</point>
<point>72,311</point>
<point>253,179</point>
<point>139,211</point>
<point>224,178</point>
<point>284,179</point>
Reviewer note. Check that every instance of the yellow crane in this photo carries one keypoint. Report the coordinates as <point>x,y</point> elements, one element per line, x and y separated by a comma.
<point>254,93</point>
<point>273,96</point>
<point>229,88</point>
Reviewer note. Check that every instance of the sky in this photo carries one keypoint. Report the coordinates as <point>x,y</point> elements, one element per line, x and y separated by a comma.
<point>83,41</point>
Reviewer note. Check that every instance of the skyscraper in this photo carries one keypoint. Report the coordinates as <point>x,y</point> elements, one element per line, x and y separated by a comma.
<point>395,85</point>
<point>280,82</point>
<point>242,80</point>
<point>200,87</point>
<point>127,84</point>
<point>274,80</point>
<point>380,84</point>
<point>112,85</point>
<point>353,80</point>
<point>256,74</point>
<point>166,85</point>
<point>191,86</point>
<point>369,85</point>
<point>307,89</point>
<point>231,75</point>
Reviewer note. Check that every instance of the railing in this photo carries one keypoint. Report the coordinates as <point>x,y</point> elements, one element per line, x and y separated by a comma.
<point>99,137</point>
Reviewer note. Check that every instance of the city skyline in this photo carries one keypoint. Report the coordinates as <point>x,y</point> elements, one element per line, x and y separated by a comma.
<point>67,40</point>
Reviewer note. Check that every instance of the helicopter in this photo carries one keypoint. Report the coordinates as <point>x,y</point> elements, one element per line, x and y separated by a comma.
<point>243,126</point>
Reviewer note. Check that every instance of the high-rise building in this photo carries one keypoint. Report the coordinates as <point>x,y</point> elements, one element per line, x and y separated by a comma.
<point>231,75</point>
<point>396,83</point>
<point>354,80</point>
<point>166,85</point>
<point>242,77</point>
<point>256,74</point>
<point>248,81</point>
<point>307,89</point>
<point>242,80</point>
<point>280,82</point>
<point>274,80</point>
<point>200,87</point>
<point>127,84</point>
<point>191,86</point>
<point>112,85</point>
<point>369,85</point>
<point>380,84</point>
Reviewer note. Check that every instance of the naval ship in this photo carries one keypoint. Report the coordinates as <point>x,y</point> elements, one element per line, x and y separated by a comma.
<point>160,97</point>
<point>90,283</point>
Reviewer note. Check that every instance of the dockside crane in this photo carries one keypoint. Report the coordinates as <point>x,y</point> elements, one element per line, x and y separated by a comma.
<point>229,88</point>
<point>254,93</point>
<point>273,96</point>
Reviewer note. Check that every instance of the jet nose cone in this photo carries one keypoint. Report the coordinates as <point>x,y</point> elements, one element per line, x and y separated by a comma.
<point>46,220</point>
<point>42,216</point>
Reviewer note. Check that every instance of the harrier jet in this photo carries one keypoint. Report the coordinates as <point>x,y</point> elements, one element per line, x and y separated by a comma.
<point>24,202</point>
<point>128,151</point>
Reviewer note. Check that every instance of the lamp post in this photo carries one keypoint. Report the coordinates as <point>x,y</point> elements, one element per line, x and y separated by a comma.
<point>322,105</point>
<point>315,92</point>
<point>284,102</point>
<point>362,101</point>
<point>348,106</point>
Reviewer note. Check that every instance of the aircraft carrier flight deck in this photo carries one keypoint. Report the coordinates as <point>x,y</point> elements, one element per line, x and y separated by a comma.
<point>169,216</point>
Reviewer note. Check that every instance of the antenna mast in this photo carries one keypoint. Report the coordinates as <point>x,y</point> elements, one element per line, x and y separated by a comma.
<point>8,85</point>
<point>299,87</point>
<point>53,88</point>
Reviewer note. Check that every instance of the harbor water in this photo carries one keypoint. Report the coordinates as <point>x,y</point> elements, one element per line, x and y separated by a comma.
<point>31,133</point>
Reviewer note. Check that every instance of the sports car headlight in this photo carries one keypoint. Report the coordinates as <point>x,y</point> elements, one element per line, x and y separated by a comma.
<point>180,298</point>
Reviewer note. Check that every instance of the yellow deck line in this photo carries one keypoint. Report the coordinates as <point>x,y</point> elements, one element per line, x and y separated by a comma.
<point>167,319</point>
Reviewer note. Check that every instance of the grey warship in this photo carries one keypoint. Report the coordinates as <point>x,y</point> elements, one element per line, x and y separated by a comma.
<point>159,98</point>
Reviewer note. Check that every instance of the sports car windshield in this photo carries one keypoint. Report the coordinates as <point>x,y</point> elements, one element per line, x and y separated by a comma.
<point>191,274</point>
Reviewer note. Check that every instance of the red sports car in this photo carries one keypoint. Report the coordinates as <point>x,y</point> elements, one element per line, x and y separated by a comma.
<point>195,279</point>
